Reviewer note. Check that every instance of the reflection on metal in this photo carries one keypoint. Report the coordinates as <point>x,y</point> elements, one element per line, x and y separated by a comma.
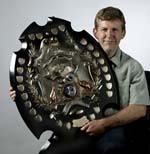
<point>109,85</point>
<point>63,78</point>
<point>38,118</point>
<point>92,116</point>
<point>19,70</point>
<point>21,87</point>
<point>80,122</point>
<point>28,104</point>
<point>19,79</point>
<point>21,61</point>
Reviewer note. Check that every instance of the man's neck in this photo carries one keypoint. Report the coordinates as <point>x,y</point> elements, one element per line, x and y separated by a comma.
<point>111,53</point>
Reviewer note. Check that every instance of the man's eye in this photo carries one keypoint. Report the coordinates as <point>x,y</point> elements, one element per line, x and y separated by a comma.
<point>104,29</point>
<point>114,29</point>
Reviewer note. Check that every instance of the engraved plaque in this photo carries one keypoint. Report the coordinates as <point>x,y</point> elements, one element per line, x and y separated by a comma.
<point>63,79</point>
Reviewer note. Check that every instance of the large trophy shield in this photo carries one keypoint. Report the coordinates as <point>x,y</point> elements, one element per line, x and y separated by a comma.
<point>63,79</point>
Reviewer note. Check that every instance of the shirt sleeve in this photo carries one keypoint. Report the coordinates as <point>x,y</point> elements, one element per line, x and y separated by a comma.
<point>138,88</point>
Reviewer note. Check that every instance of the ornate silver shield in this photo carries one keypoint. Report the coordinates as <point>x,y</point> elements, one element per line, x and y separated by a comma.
<point>63,79</point>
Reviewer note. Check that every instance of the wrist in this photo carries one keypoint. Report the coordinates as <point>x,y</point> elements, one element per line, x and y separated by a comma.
<point>111,121</point>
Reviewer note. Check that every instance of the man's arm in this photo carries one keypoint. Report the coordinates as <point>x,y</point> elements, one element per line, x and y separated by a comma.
<point>128,114</point>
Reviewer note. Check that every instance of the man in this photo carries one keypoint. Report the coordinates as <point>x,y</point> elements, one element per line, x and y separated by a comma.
<point>109,30</point>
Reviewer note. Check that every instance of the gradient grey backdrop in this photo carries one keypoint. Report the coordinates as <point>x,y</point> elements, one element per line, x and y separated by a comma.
<point>16,15</point>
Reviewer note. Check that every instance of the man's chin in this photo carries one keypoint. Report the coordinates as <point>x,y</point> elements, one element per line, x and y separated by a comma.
<point>108,50</point>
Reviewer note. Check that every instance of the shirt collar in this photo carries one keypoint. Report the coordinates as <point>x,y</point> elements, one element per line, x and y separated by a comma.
<point>116,59</point>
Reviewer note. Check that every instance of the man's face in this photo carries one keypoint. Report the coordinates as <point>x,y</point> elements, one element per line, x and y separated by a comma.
<point>109,33</point>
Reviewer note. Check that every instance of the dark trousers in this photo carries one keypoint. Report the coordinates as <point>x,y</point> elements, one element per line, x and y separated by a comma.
<point>129,139</point>
<point>114,141</point>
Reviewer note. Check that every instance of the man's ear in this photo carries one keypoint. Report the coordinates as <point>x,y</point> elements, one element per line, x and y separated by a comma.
<point>123,33</point>
<point>95,32</point>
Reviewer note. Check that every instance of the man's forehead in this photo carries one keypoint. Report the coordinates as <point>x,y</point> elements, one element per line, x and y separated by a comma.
<point>111,23</point>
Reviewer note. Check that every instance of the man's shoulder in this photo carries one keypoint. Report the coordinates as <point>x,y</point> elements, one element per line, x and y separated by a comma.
<point>131,64</point>
<point>130,60</point>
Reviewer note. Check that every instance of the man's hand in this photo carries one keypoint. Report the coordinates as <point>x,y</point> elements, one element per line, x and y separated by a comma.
<point>12,93</point>
<point>95,127</point>
<point>125,116</point>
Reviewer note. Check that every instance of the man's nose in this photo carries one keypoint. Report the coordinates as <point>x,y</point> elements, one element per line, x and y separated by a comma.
<point>110,33</point>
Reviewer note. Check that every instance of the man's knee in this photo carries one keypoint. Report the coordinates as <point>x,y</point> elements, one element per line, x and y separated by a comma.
<point>112,148</point>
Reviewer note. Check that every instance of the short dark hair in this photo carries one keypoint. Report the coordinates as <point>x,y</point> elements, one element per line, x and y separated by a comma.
<point>110,13</point>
